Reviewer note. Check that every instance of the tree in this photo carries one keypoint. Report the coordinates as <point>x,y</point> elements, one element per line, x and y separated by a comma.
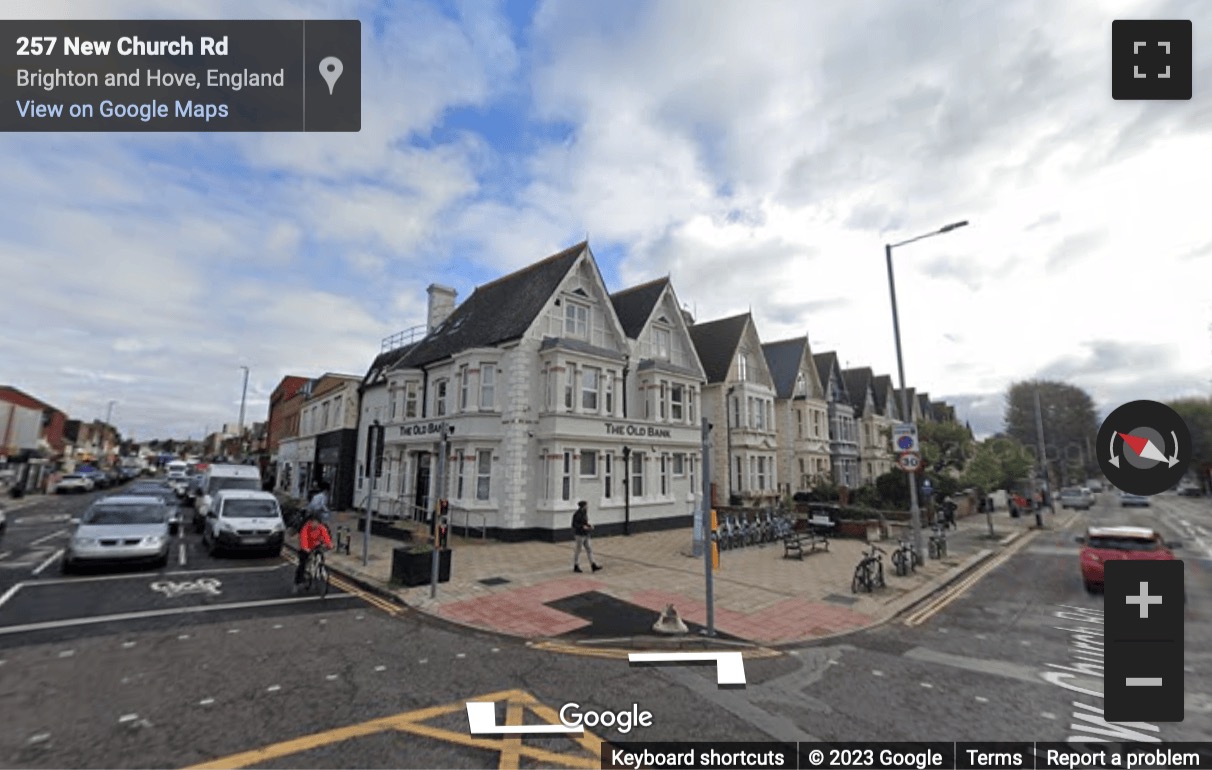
<point>998,463</point>
<point>944,444</point>
<point>1070,423</point>
<point>893,490</point>
<point>1197,413</point>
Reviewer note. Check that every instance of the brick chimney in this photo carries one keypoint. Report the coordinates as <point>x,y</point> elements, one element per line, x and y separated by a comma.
<point>441,305</point>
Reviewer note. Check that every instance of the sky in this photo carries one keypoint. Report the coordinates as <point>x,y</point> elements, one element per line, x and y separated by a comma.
<point>759,153</point>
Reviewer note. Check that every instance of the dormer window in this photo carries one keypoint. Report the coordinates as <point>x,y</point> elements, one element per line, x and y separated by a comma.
<point>576,320</point>
<point>662,342</point>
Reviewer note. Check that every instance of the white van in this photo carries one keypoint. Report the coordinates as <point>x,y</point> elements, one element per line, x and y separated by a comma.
<point>219,477</point>
<point>243,520</point>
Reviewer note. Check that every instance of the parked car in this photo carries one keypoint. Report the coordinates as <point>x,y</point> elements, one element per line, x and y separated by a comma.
<point>1077,498</point>
<point>120,529</point>
<point>1190,490</point>
<point>1094,485</point>
<point>178,480</point>
<point>193,489</point>
<point>74,482</point>
<point>244,520</point>
<point>218,478</point>
<point>1103,544</point>
<point>164,494</point>
<point>96,476</point>
<point>3,519</point>
<point>1127,500</point>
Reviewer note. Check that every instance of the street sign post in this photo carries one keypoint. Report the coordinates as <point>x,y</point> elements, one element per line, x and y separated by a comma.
<point>904,437</point>
<point>909,461</point>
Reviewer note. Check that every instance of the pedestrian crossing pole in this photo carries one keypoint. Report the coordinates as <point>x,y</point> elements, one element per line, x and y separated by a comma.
<point>440,488</point>
<point>708,544</point>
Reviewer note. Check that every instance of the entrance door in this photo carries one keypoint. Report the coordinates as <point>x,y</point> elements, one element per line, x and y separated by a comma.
<point>421,501</point>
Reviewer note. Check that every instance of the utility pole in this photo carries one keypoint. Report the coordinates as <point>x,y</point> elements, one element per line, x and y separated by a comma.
<point>440,497</point>
<point>708,545</point>
<point>372,443</point>
<point>243,397</point>
<point>1043,461</point>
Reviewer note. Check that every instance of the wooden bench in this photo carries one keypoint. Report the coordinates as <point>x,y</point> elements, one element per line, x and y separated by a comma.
<point>795,544</point>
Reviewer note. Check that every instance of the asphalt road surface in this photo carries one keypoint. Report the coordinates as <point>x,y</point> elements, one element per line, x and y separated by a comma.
<point>226,666</point>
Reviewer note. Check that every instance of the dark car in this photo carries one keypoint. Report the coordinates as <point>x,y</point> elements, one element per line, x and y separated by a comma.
<point>162,492</point>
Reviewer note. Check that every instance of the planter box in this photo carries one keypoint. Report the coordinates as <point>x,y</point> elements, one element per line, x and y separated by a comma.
<point>385,529</point>
<point>413,568</point>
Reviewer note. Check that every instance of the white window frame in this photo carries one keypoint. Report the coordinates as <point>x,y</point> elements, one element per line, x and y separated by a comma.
<point>570,375</point>
<point>608,475</point>
<point>391,396</point>
<point>462,477</point>
<point>637,478</point>
<point>662,395</point>
<point>742,367</point>
<point>483,476</point>
<point>662,343</point>
<point>590,395</point>
<point>608,388</point>
<point>679,465</point>
<point>566,481</point>
<point>592,456</point>
<point>677,402</point>
<point>664,475</point>
<point>488,385</point>
<point>761,478</point>
<point>441,391</point>
<point>576,320</point>
<point>411,410</point>
<point>464,387</point>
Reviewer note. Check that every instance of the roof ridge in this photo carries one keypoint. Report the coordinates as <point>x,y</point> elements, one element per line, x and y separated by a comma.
<point>532,266</point>
<point>786,341</point>
<point>637,287</point>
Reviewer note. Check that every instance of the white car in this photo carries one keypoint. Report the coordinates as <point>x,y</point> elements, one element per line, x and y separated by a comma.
<point>241,519</point>
<point>1077,498</point>
<point>74,482</point>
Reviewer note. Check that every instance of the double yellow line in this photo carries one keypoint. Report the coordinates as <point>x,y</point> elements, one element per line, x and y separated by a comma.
<point>953,592</point>
<point>349,588</point>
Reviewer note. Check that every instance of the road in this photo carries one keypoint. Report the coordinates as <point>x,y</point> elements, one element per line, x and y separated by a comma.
<point>199,677</point>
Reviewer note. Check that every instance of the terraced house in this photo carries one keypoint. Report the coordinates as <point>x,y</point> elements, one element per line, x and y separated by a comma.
<point>843,432</point>
<point>801,415</point>
<point>550,390</point>
<point>873,421</point>
<point>739,400</point>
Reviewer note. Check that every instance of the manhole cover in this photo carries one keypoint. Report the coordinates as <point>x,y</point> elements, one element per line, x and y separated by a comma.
<point>839,599</point>
<point>494,581</point>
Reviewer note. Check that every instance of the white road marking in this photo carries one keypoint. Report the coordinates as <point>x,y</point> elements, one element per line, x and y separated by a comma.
<point>5,555</point>
<point>127,718</point>
<point>50,560</point>
<point>1025,643</point>
<point>67,653</point>
<point>495,649</point>
<point>981,636</point>
<point>127,645</point>
<point>206,701</point>
<point>1047,715</point>
<point>277,625</point>
<point>143,576</point>
<point>877,673</point>
<point>183,636</point>
<point>233,630</point>
<point>331,677</point>
<point>44,538</point>
<point>830,662</point>
<point>942,630</point>
<point>423,660</point>
<point>461,655</point>
<point>160,613</point>
<point>323,621</point>
<point>981,699</point>
<point>926,685</point>
<point>359,617</point>
<point>181,556</point>
<point>39,738</point>
<point>273,688</point>
<point>377,668</point>
<point>9,593</point>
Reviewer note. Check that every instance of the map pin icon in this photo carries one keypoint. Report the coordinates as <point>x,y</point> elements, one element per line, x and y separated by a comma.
<point>330,70</point>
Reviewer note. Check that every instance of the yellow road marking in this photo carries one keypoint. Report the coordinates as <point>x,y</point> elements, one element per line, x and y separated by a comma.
<point>510,748</point>
<point>350,588</point>
<point>954,592</point>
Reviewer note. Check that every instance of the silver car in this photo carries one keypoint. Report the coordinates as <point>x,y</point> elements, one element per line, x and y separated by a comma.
<point>120,529</point>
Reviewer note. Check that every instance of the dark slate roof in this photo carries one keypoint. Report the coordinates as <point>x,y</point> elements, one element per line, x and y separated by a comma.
<point>496,312</point>
<point>377,372</point>
<point>881,384</point>
<point>825,364</point>
<point>634,306</point>
<point>858,382</point>
<point>716,343</point>
<point>580,346</point>
<point>912,400</point>
<point>784,358</point>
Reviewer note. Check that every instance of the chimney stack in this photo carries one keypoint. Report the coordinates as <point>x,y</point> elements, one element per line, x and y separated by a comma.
<point>441,305</point>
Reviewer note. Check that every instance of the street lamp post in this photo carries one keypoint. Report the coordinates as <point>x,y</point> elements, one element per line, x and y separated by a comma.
<point>627,490</point>
<point>915,512</point>
<point>243,398</point>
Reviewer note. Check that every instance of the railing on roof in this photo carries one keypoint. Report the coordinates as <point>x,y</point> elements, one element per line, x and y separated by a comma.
<point>400,339</point>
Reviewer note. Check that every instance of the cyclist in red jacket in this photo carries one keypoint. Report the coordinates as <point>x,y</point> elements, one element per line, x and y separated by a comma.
<point>312,535</point>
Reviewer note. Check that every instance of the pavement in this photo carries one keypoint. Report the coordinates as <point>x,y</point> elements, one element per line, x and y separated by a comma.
<point>529,589</point>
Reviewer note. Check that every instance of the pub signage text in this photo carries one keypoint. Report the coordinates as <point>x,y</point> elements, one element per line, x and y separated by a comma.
<point>421,429</point>
<point>647,431</point>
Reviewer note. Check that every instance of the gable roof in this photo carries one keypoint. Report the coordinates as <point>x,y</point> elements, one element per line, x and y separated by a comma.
<point>634,306</point>
<point>826,363</point>
<point>784,358</point>
<point>21,398</point>
<point>911,392</point>
<point>499,311</point>
<point>923,402</point>
<point>377,373</point>
<point>882,386</point>
<point>858,383</point>
<point>716,343</point>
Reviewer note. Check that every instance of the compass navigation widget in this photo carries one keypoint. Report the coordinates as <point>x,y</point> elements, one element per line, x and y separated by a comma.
<point>1144,448</point>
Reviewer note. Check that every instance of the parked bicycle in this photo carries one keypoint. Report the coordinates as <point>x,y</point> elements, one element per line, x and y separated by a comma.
<point>905,558</point>
<point>869,574</point>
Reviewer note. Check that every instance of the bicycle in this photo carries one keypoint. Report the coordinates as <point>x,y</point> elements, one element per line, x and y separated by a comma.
<point>938,542</point>
<point>317,572</point>
<point>869,574</point>
<point>904,558</point>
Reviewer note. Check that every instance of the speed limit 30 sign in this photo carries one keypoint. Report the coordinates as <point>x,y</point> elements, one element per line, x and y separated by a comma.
<point>910,461</point>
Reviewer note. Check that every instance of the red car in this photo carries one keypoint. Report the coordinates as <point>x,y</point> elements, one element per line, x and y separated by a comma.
<point>1104,544</point>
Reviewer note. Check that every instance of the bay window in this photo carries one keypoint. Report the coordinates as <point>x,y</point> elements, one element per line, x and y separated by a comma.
<point>488,386</point>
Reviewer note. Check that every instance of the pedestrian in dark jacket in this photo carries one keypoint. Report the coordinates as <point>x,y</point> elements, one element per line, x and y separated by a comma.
<point>580,530</point>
